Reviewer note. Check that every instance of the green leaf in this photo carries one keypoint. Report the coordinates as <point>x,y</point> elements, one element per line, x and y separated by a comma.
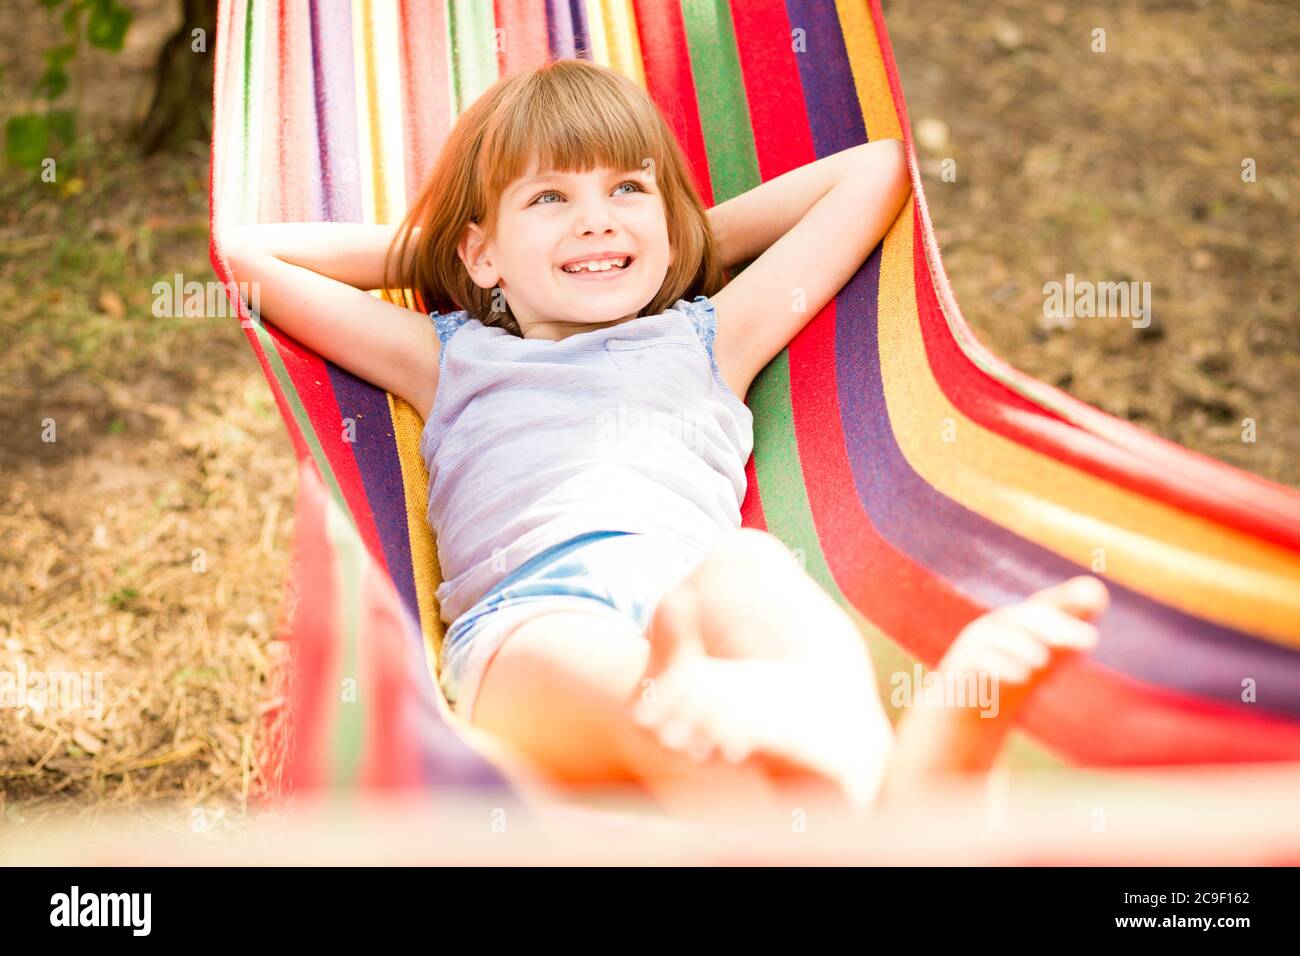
<point>26,137</point>
<point>50,4</point>
<point>108,24</point>
<point>61,54</point>
<point>52,83</point>
<point>62,123</point>
<point>71,16</point>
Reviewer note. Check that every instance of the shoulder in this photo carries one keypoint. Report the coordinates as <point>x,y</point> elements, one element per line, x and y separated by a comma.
<point>703,317</point>
<point>448,322</point>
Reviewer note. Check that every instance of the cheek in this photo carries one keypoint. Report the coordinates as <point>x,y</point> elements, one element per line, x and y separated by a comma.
<point>655,229</point>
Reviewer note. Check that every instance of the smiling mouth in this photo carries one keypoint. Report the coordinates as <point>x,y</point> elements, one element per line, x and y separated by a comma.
<point>606,272</point>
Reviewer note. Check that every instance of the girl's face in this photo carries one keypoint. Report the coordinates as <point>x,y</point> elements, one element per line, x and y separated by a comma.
<point>548,220</point>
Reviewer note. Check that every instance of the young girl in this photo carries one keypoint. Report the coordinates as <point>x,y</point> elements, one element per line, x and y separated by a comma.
<point>583,383</point>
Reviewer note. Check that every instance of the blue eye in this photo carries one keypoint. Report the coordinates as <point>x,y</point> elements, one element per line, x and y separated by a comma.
<point>552,192</point>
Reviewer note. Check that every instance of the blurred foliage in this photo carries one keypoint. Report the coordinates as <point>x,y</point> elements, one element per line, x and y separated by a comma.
<point>30,136</point>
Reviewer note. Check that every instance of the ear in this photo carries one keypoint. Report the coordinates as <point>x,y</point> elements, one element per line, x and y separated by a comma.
<point>475,254</point>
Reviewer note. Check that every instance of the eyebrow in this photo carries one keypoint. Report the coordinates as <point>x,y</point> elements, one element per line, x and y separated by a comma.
<point>554,176</point>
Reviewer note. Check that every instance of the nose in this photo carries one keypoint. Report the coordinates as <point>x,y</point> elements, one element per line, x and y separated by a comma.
<point>594,217</point>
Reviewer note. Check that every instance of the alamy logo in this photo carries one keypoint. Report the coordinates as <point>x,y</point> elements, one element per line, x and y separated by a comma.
<point>652,427</point>
<point>102,909</point>
<point>1085,299</point>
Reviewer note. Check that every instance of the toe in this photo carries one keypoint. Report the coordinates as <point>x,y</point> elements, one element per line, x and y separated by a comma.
<point>1083,596</point>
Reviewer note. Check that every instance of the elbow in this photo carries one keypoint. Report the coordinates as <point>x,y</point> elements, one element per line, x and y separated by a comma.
<point>886,161</point>
<point>898,164</point>
<point>232,241</point>
<point>240,246</point>
<point>899,171</point>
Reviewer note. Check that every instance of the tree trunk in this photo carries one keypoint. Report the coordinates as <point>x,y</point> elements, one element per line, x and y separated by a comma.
<point>181,111</point>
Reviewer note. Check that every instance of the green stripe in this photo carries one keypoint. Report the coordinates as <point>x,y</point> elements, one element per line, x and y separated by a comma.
<point>734,169</point>
<point>249,196</point>
<point>349,716</point>
<point>724,116</point>
<point>471,50</point>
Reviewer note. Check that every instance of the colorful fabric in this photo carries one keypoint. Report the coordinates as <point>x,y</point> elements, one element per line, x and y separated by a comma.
<point>921,479</point>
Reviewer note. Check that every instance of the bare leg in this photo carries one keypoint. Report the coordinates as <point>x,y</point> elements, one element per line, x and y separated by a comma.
<point>752,658</point>
<point>1016,647</point>
<point>558,692</point>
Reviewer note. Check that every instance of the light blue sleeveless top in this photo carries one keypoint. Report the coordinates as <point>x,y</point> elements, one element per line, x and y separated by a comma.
<point>531,441</point>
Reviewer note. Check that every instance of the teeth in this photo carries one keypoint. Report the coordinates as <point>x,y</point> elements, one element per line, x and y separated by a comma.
<point>598,265</point>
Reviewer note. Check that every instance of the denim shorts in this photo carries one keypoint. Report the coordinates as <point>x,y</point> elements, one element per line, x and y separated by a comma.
<point>619,574</point>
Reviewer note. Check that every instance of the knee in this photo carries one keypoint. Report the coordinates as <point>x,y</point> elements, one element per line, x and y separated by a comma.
<point>742,570</point>
<point>757,558</point>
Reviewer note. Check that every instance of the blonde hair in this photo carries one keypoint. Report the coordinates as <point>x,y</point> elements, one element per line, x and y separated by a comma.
<point>573,115</point>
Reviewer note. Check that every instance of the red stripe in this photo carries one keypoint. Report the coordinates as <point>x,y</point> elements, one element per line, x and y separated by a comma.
<point>886,585</point>
<point>1105,718</point>
<point>314,638</point>
<point>390,755</point>
<point>525,43</point>
<point>426,91</point>
<point>316,393</point>
<point>751,509</point>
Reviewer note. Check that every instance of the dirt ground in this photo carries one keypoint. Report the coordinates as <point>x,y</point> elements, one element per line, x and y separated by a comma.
<point>150,540</point>
<point>1124,166</point>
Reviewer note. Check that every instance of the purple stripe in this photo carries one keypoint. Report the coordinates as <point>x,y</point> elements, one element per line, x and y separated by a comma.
<point>374,451</point>
<point>581,29</point>
<point>336,112</point>
<point>567,32</point>
<point>988,563</point>
<point>559,29</point>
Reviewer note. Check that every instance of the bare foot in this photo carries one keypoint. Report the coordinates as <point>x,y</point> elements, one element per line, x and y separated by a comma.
<point>1009,651</point>
<point>817,719</point>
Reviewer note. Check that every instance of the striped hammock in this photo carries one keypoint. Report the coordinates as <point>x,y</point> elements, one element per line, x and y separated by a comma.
<point>921,480</point>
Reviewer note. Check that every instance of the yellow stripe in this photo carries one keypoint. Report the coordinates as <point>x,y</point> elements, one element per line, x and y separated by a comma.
<point>596,32</point>
<point>361,85</point>
<point>1179,559</point>
<point>378,82</point>
<point>615,42</point>
<point>386,113</point>
<point>407,427</point>
<point>862,47</point>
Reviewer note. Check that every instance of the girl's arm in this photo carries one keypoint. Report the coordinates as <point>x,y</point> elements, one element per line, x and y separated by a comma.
<point>811,229</point>
<point>311,281</point>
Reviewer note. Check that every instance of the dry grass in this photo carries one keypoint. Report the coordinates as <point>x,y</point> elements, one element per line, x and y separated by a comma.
<point>167,448</point>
